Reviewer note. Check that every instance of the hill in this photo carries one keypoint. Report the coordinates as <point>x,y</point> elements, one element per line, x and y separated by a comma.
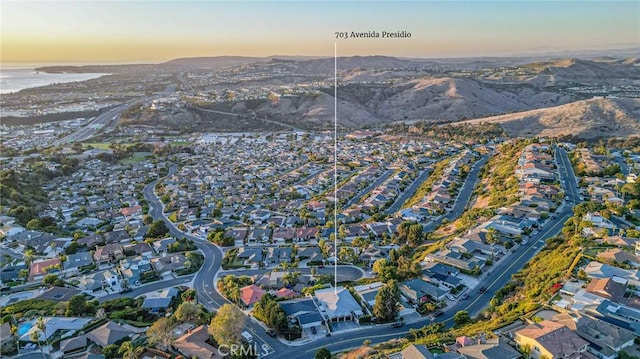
<point>587,119</point>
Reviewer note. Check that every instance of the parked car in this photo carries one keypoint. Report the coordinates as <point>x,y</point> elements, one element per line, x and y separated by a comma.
<point>438,313</point>
<point>272,333</point>
<point>482,290</point>
<point>397,325</point>
<point>465,296</point>
<point>247,337</point>
<point>125,290</point>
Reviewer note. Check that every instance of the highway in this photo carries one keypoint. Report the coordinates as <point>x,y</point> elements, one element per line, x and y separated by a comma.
<point>108,118</point>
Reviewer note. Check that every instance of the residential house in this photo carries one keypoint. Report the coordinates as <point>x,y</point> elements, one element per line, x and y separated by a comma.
<point>38,269</point>
<point>606,340</point>
<point>305,234</point>
<point>277,255</point>
<point>159,301</point>
<point>11,229</point>
<point>162,245</point>
<point>167,264</point>
<point>108,254</point>
<point>112,332</point>
<point>251,256</point>
<point>486,349</point>
<point>618,255</point>
<point>418,351</point>
<point>304,311</point>
<point>259,235</point>
<point>337,304</point>
<point>100,280</point>
<point>251,294</point>
<point>12,272</point>
<point>552,340</point>
<point>195,344</point>
<point>418,291</point>
<point>77,261</point>
<point>608,288</point>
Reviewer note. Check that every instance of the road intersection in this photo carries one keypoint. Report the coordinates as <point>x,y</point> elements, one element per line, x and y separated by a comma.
<point>204,281</point>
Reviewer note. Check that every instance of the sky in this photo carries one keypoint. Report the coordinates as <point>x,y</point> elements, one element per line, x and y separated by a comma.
<point>155,31</point>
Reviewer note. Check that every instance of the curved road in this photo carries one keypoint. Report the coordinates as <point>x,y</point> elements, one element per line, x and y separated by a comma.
<point>498,277</point>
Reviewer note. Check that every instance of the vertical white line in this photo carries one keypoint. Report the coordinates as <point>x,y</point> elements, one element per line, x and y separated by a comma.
<point>335,167</point>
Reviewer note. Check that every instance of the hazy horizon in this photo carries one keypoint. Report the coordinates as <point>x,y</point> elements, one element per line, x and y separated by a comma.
<point>139,32</point>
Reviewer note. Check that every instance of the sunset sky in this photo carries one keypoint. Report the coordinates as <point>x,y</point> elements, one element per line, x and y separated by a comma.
<point>126,31</point>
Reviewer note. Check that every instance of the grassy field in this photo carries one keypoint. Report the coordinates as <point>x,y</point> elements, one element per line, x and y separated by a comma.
<point>96,145</point>
<point>137,157</point>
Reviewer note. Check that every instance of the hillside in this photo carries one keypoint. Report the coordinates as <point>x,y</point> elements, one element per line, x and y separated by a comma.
<point>456,98</point>
<point>587,119</point>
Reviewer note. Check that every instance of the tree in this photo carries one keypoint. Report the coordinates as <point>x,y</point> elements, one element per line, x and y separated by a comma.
<point>322,353</point>
<point>39,332</point>
<point>157,229</point>
<point>189,295</point>
<point>462,317</point>
<point>28,256</point>
<point>76,306</point>
<point>385,269</point>
<point>147,220</point>
<point>23,274</point>
<point>526,351</point>
<point>129,351</point>
<point>187,312</point>
<point>52,280</point>
<point>270,312</point>
<point>415,235</point>
<point>220,239</point>
<point>386,302</point>
<point>110,351</point>
<point>324,247</point>
<point>71,248</point>
<point>161,332</point>
<point>291,278</point>
<point>226,326</point>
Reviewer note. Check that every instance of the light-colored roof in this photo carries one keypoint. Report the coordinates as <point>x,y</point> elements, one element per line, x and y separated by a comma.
<point>554,337</point>
<point>337,302</point>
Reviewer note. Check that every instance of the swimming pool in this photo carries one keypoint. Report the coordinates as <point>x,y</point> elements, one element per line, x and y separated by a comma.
<point>24,328</point>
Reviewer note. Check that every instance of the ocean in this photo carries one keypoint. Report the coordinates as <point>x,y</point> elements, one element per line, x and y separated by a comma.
<point>14,79</point>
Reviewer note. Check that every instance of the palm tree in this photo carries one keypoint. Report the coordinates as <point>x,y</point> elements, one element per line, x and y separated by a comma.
<point>28,256</point>
<point>129,350</point>
<point>37,333</point>
<point>234,294</point>
<point>14,334</point>
<point>290,278</point>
